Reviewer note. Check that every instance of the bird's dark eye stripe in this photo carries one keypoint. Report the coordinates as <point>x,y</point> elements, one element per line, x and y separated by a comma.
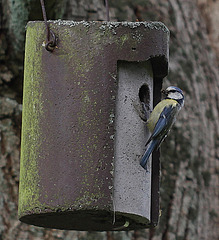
<point>172,91</point>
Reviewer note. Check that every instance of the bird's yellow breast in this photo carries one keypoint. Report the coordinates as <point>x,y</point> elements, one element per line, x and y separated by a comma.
<point>157,111</point>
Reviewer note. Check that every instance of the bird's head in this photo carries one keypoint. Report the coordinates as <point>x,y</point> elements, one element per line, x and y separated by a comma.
<point>174,93</point>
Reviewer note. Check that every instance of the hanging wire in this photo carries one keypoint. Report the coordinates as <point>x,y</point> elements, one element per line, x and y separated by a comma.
<point>107,10</point>
<point>50,44</point>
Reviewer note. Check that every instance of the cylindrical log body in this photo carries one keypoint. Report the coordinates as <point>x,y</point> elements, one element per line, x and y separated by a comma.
<point>82,129</point>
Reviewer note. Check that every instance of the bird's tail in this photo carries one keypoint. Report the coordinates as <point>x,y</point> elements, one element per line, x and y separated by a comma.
<point>152,145</point>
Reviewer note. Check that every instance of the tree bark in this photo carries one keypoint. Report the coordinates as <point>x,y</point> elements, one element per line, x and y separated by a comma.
<point>190,155</point>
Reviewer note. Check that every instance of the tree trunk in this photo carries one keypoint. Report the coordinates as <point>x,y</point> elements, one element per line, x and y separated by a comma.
<point>190,155</point>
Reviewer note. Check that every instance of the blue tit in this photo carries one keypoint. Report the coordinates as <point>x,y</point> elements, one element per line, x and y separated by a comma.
<point>161,120</point>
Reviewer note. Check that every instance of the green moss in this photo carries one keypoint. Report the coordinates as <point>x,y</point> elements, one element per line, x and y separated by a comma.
<point>124,38</point>
<point>81,64</point>
<point>31,139</point>
<point>87,150</point>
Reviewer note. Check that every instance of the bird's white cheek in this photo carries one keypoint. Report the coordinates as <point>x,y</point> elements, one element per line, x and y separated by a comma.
<point>175,95</point>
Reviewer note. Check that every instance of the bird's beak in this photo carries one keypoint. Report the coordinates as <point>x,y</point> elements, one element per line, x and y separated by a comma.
<point>164,92</point>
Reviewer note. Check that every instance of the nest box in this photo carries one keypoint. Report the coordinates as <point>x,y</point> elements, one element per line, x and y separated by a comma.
<point>83,131</point>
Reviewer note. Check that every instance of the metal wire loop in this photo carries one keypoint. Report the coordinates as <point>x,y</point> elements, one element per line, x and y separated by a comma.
<point>50,44</point>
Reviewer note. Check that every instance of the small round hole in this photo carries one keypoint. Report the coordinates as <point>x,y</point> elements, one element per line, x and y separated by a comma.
<point>144,94</point>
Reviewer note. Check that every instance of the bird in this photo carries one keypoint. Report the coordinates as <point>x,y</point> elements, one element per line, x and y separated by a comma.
<point>161,120</point>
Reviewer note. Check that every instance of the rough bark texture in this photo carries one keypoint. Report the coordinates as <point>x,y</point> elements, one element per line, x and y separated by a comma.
<point>190,155</point>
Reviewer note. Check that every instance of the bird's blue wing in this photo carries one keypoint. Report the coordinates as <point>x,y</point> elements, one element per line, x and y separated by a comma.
<point>153,145</point>
<point>159,133</point>
<point>164,122</point>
